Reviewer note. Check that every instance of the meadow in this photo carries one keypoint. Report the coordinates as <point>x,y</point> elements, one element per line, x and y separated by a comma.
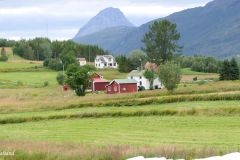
<point>37,121</point>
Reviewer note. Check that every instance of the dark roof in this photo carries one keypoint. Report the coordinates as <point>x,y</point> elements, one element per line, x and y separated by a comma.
<point>124,81</point>
<point>134,73</point>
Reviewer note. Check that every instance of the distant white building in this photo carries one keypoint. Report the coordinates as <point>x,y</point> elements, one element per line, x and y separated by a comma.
<point>105,61</point>
<point>82,61</point>
<point>142,81</point>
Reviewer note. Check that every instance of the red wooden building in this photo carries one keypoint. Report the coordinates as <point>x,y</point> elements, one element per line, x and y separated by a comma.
<point>98,83</point>
<point>122,86</point>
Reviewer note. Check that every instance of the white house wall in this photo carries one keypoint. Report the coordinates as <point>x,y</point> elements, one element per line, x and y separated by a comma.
<point>145,82</point>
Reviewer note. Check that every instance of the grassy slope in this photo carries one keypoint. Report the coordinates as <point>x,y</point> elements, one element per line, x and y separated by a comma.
<point>35,79</point>
<point>11,65</point>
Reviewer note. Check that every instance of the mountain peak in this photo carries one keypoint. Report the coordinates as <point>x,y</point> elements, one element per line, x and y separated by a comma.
<point>107,18</point>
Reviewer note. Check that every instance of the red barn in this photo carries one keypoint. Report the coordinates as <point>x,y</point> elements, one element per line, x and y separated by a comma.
<point>98,83</point>
<point>122,86</point>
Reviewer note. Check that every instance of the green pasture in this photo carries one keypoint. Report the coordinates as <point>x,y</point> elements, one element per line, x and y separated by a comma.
<point>17,65</point>
<point>34,79</point>
<point>209,106</point>
<point>188,71</point>
<point>111,74</point>
<point>187,131</point>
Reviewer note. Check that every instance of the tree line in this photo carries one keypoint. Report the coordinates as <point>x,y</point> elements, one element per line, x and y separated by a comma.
<point>52,52</point>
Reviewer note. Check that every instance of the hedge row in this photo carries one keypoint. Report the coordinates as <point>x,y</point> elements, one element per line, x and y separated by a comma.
<point>231,111</point>
<point>157,100</point>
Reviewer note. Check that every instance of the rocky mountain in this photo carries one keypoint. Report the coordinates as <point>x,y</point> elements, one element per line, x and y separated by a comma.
<point>108,18</point>
<point>212,30</point>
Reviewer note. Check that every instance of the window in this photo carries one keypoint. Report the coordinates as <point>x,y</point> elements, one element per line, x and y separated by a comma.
<point>114,64</point>
<point>140,77</point>
<point>110,64</point>
<point>140,83</point>
<point>124,89</point>
<point>115,89</point>
<point>105,64</point>
<point>132,77</point>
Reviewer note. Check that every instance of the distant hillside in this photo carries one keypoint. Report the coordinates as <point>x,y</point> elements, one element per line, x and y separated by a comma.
<point>110,39</point>
<point>108,18</point>
<point>210,30</point>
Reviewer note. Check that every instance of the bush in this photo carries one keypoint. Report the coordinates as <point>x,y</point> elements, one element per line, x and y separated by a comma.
<point>46,83</point>
<point>80,91</point>
<point>4,58</point>
<point>55,64</point>
<point>19,83</point>
<point>195,78</point>
<point>60,78</point>
<point>46,62</point>
<point>141,88</point>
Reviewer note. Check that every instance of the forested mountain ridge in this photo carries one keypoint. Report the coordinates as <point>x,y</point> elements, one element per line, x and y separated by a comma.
<point>210,30</point>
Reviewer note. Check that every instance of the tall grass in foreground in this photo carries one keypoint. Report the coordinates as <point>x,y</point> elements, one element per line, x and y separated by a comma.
<point>50,151</point>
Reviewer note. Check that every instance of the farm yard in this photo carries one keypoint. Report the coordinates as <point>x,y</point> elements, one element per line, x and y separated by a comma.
<point>39,121</point>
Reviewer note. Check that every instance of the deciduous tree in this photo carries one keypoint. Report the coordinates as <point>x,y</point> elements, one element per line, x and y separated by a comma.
<point>161,41</point>
<point>170,75</point>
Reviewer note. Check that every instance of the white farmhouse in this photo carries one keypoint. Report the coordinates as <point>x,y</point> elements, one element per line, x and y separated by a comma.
<point>82,61</point>
<point>105,61</point>
<point>142,81</point>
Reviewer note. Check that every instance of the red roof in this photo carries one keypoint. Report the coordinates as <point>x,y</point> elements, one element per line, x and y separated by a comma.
<point>99,80</point>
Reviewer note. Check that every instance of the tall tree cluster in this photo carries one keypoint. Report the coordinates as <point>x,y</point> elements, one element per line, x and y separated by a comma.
<point>161,46</point>
<point>230,70</point>
<point>43,48</point>
<point>200,63</point>
<point>161,42</point>
<point>135,60</point>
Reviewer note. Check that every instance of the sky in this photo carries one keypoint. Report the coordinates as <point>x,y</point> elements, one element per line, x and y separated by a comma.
<point>61,19</point>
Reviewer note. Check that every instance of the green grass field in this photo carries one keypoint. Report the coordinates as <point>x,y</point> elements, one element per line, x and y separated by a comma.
<point>189,131</point>
<point>188,71</point>
<point>33,79</point>
<point>14,65</point>
<point>111,74</point>
<point>44,123</point>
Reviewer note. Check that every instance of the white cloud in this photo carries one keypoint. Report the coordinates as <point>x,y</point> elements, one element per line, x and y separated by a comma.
<point>28,18</point>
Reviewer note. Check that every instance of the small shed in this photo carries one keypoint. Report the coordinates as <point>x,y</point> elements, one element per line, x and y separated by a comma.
<point>122,86</point>
<point>82,61</point>
<point>98,83</point>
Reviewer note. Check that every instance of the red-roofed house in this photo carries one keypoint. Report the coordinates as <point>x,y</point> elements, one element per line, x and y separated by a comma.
<point>98,83</point>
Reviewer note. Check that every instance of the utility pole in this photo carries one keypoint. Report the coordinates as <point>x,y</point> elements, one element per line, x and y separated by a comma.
<point>89,59</point>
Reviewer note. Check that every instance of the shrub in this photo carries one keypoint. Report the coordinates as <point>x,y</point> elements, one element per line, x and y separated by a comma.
<point>4,58</point>
<point>19,83</point>
<point>60,78</point>
<point>141,88</point>
<point>195,78</point>
<point>46,83</point>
